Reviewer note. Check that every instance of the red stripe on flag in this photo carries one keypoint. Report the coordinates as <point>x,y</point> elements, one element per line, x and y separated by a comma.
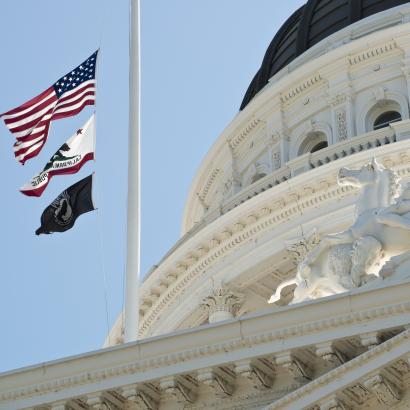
<point>31,102</point>
<point>35,110</point>
<point>22,151</point>
<point>32,154</point>
<point>58,116</point>
<point>75,102</point>
<point>32,124</point>
<point>65,97</point>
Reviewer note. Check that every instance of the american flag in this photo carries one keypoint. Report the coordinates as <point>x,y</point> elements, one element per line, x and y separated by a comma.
<point>30,121</point>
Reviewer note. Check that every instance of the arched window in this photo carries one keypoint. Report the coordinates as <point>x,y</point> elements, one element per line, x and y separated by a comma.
<point>383,113</point>
<point>319,146</point>
<point>257,176</point>
<point>313,142</point>
<point>386,118</point>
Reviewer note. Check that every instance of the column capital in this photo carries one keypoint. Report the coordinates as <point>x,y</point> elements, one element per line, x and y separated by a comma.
<point>222,303</point>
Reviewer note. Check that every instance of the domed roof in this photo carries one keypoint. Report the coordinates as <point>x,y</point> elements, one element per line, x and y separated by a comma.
<point>313,22</point>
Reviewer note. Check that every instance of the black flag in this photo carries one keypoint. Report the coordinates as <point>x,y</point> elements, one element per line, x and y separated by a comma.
<point>62,213</point>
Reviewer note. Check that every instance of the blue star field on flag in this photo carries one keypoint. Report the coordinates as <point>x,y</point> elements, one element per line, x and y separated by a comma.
<point>80,74</point>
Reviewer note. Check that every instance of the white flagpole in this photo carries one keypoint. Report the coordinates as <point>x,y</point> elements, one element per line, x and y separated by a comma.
<point>133,212</point>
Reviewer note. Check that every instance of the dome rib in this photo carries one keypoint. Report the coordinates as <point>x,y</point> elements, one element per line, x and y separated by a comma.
<point>307,26</point>
<point>304,27</point>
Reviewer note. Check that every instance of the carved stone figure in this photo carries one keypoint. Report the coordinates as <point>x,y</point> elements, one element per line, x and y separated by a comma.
<point>352,258</point>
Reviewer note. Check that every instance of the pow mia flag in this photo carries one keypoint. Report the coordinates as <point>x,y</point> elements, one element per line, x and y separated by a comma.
<point>62,213</point>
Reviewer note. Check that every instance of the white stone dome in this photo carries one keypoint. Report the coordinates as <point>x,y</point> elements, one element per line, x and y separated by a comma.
<point>268,186</point>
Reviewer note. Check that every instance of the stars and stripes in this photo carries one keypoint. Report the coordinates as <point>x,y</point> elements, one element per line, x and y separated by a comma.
<point>30,122</point>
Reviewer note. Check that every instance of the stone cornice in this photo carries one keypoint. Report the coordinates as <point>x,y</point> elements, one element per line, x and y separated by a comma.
<point>208,184</point>
<point>301,88</point>
<point>372,53</point>
<point>243,133</point>
<point>250,337</point>
<point>381,355</point>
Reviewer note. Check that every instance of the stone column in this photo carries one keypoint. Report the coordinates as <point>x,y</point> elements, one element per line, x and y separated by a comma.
<point>221,304</point>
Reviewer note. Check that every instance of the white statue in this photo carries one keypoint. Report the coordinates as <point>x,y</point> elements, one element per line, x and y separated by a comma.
<point>352,258</point>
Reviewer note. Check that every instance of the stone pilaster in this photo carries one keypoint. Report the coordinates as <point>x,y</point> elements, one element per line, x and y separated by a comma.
<point>274,148</point>
<point>232,182</point>
<point>342,116</point>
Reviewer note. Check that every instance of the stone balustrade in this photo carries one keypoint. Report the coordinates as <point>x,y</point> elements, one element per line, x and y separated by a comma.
<point>303,163</point>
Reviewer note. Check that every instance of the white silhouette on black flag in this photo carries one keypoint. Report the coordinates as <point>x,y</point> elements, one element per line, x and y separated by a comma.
<point>62,213</point>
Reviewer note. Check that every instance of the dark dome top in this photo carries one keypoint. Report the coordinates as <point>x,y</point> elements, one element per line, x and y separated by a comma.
<point>313,22</point>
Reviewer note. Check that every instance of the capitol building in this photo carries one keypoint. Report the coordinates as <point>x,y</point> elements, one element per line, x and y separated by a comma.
<point>303,201</point>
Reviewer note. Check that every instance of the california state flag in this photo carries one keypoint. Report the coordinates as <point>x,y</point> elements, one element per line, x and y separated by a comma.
<point>69,159</point>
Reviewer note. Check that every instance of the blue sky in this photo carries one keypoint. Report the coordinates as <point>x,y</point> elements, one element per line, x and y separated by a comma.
<point>198,58</point>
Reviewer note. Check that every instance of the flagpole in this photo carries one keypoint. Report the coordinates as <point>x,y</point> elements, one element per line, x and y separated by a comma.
<point>133,212</point>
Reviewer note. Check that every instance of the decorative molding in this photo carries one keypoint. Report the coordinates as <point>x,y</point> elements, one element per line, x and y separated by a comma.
<point>370,340</point>
<point>182,388</point>
<point>276,160</point>
<point>222,304</point>
<point>379,93</point>
<point>282,213</point>
<point>354,51</point>
<point>302,87</point>
<point>220,380</point>
<point>246,130</point>
<point>357,394</point>
<point>365,55</point>
<point>332,355</point>
<point>402,367</point>
<point>274,138</point>
<point>341,124</point>
<point>222,348</point>
<point>300,247</point>
<point>104,401</point>
<point>61,405</point>
<point>299,369</point>
<point>334,404</point>
<point>211,179</point>
<point>386,391</point>
<point>259,372</point>
<point>140,397</point>
<point>337,373</point>
<point>336,100</point>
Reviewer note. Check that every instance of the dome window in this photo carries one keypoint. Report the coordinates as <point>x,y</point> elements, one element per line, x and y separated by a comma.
<point>383,120</point>
<point>319,146</point>
<point>257,177</point>
<point>314,142</point>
